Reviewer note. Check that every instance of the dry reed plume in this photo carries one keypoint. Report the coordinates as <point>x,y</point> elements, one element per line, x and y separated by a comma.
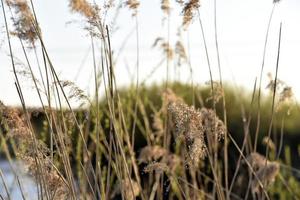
<point>24,22</point>
<point>268,142</point>
<point>158,159</point>
<point>265,170</point>
<point>165,6</point>
<point>150,153</point>
<point>272,83</point>
<point>181,53</point>
<point>33,153</point>
<point>216,91</point>
<point>133,5</point>
<point>84,8</point>
<point>188,11</point>
<point>195,126</point>
<point>284,92</point>
<point>165,46</point>
<point>74,92</point>
<point>158,167</point>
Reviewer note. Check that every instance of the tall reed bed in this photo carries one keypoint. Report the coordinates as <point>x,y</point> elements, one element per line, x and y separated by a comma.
<point>142,143</point>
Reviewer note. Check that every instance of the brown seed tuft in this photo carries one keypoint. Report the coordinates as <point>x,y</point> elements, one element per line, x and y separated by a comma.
<point>266,175</point>
<point>180,52</point>
<point>268,142</point>
<point>32,152</point>
<point>150,153</point>
<point>169,96</point>
<point>165,46</point>
<point>24,22</point>
<point>216,93</point>
<point>158,167</point>
<point>84,8</point>
<point>133,5</point>
<point>271,84</point>
<point>265,170</point>
<point>165,6</point>
<point>188,11</point>
<point>194,125</point>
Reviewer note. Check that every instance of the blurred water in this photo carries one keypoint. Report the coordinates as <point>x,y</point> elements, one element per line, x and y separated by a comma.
<point>27,183</point>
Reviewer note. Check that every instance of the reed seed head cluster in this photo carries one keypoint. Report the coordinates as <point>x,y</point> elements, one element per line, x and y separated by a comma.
<point>188,11</point>
<point>165,46</point>
<point>33,152</point>
<point>195,126</point>
<point>159,159</point>
<point>84,8</point>
<point>165,6</point>
<point>268,142</point>
<point>265,170</point>
<point>286,94</point>
<point>283,91</point>
<point>24,22</point>
<point>181,53</point>
<point>216,91</point>
<point>150,153</point>
<point>133,5</point>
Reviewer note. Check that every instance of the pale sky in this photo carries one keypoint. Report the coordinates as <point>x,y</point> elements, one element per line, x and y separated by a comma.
<point>242,26</point>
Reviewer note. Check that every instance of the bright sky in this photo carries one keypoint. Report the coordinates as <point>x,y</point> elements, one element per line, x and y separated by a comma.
<point>242,26</point>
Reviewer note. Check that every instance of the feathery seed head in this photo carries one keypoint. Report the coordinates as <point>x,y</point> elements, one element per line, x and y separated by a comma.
<point>165,46</point>
<point>158,167</point>
<point>180,52</point>
<point>265,170</point>
<point>24,22</point>
<point>150,153</point>
<point>216,91</point>
<point>195,126</point>
<point>133,5</point>
<point>19,130</point>
<point>269,143</point>
<point>165,6</point>
<point>266,175</point>
<point>84,8</point>
<point>189,11</point>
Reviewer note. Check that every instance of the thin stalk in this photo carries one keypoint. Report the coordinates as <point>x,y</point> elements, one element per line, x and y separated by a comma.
<point>260,78</point>
<point>4,184</point>
<point>281,138</point>
<point>274,93</point>
<point>98,169</point>
<point>223,101</point>
<point>246,129</point>
<point>137,81</point>
<point>249,165</point>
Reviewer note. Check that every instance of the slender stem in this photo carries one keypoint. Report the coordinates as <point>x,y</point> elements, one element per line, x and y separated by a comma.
<point>223,101</point>
<point>260,78</point>
<point>274,92</point>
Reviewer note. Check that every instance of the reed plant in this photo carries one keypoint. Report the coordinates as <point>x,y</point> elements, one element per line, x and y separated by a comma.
<point>165,141</point>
